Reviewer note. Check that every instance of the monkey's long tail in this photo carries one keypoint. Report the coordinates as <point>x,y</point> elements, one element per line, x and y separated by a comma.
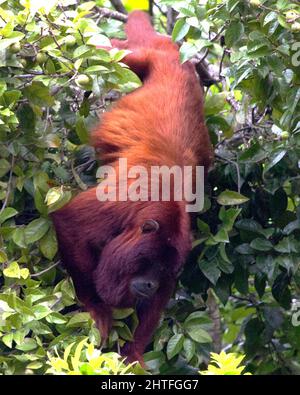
<point>151,52</point>
<point>139,31</point>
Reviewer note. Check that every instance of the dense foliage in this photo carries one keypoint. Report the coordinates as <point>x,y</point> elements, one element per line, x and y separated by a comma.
<point>240,289</point>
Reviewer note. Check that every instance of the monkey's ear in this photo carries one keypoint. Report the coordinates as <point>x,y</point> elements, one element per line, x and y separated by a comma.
<point>150,225</point>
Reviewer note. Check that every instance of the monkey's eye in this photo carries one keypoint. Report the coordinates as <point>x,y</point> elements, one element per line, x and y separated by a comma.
<point>150,225</point>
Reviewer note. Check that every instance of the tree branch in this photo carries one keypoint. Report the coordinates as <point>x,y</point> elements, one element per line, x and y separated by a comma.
<point>106,13</point>
<point>171,16</point>
<point>239,182</point>
<point>118,5</point>
<point>214,314</point>
<point>151,4</point>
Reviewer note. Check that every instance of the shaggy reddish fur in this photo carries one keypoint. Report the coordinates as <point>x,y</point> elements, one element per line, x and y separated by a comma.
<point>101,243</point>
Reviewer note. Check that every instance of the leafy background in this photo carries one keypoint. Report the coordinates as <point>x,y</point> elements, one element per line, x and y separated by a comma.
<point>240,288</point>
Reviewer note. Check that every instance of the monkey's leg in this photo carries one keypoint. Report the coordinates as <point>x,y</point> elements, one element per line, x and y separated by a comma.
<point>149,315</point>
<point>102,316</point>
<point>100,312</point>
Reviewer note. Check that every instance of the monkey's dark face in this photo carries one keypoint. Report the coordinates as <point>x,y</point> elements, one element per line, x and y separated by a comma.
<point>148,254</point>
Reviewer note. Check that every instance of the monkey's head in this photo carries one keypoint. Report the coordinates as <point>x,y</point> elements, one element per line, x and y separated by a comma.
<point>148,252</point>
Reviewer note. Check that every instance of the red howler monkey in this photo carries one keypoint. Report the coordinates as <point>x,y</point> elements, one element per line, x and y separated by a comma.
<point>124,253</point>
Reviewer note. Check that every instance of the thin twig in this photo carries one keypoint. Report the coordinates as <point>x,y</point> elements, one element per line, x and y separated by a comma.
<point>250,299</point>
<point>237,169</point>
<point>218,35</point>
<point>34,74</point>
<point>221,63</point>
<point>45,270</point>
<point>77,178</point>
<point>204,55</point>
<point>160,9</point>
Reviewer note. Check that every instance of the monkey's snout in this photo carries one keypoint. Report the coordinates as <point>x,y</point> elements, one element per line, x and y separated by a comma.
<point>143,288</point>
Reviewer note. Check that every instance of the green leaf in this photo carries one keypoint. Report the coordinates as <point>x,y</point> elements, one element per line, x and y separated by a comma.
<point>27,117</point>
<point>215,103</point>
<point>288,245</point>
<point>228,217</point>
<point>244,249</point>
<point>221,236</point>
<point>281,291</point>
<point>291,227</point>
<point>10,97</point>
<point>253,332</point>
<point>19,237</point>
<point>35,365</point>
<point>249,225</point>
<point>241,275</point>
<point>198,319</point>
<point>128,80</point>
<point>40,311</point>
<point>36,230</point>
<point>56,198</point>
<point>39,201</point>
<point>232,4</point>
<point>13,38</point>
<point>275,158</point>
<point>48,244</point>
<point>82,131</point>
<point>223,288</point>
<point>216,123</point>
<point>254,153</point>
<point>8,339</point>
<point>120,314</point>
<point>56,318</point>
<point>225,265</point>
<point>175,345</point>
<point>187,51</point>
<point>96,69</point>
<point>265,264</point>
<point>82,51</point>
<point>98,40</point>
<point>38,93</point>
<point>260,244</point>
<point>203,226</point>
<point>7,213</point>
<point>125,333</point>
<point>12,271</point>
<point>79,319</point>
<point>189,349</point>
<point>260,283</point>
<point>199,335</point>
<point>4,167</point>
<point>234,33</point>
<point>258,49</point>
<point>228,198</point>
<point>180,30</point>
<point>222,251</point>
<point>210,270</point>
<point>27,345</point>
<point>3,257</point>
